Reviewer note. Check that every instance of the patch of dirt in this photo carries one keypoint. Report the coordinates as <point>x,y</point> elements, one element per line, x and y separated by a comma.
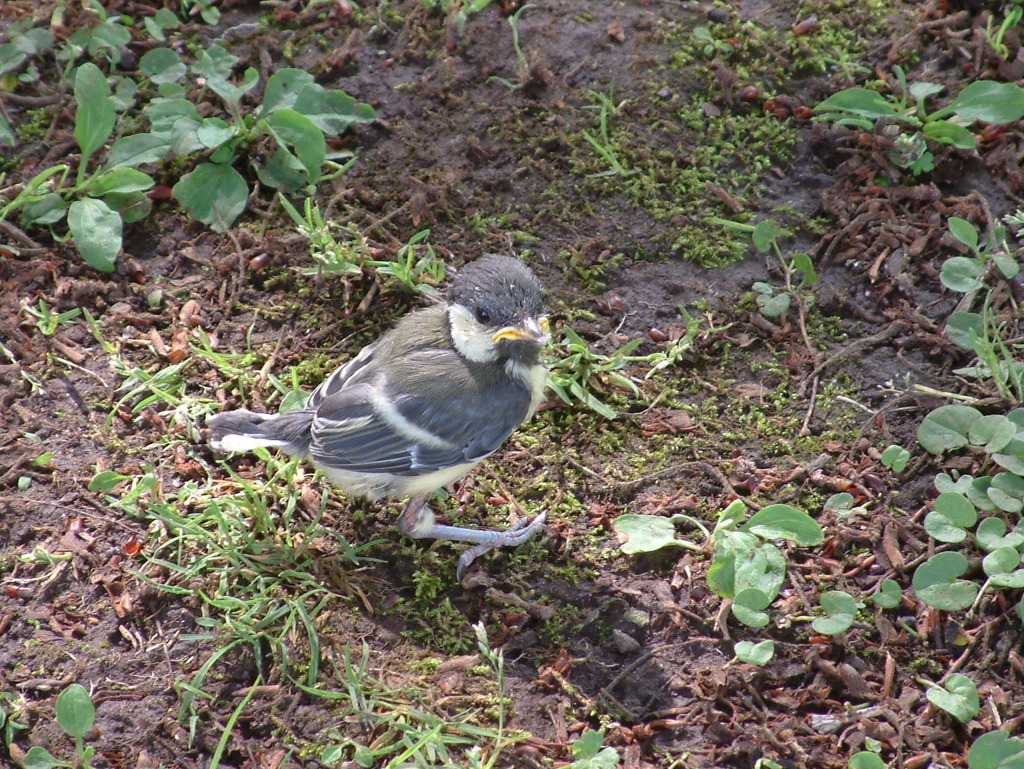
<point>592,638</point>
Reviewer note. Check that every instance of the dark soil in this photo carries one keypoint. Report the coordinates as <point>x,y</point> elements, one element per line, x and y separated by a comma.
<point>592,638</point>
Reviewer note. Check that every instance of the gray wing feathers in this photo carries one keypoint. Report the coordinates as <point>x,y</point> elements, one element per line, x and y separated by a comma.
<point>419,433</point>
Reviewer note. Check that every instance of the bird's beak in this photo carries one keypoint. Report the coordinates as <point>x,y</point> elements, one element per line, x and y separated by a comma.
<point>531,329</point>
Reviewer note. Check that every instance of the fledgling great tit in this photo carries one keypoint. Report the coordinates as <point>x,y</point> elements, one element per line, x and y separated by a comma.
<point>421,406</point>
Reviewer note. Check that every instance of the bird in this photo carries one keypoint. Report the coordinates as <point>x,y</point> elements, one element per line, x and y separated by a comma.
<point>424,404</point>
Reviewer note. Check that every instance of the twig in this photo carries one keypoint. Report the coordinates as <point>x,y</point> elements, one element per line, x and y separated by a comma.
<point>810,409</point>
<point>868,341</point>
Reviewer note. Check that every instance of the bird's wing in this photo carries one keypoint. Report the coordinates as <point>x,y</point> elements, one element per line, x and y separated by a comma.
<point>342,376</point>
<point>380,428</point>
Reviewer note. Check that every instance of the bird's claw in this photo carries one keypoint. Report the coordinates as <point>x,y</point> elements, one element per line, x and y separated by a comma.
<point>515,535</point>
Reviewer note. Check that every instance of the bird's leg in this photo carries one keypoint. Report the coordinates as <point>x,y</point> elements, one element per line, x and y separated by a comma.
<point>417,521</point>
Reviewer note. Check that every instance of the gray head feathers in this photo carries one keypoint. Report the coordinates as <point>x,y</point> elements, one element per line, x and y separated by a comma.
<point>498,290</point>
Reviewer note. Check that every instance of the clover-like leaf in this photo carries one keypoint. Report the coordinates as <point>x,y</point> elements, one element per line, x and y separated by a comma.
<point>958,696</point>
<point>996,750</point>
<point>946,428</point>
<point>889,594</point>
<point>936,582</point>
<point>992,432</point>
<point>841,609</point>
<point>748,605</point>
<point>755,653</point>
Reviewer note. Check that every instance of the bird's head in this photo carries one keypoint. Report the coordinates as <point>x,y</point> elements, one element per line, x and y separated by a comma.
<point>496,311</point>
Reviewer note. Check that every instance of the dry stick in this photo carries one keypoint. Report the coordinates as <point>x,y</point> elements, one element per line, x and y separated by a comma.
<point>845,352</point>
<point>854,224</point>
<point>810,409</point>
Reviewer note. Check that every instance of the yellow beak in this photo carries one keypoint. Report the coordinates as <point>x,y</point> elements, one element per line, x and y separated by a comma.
<point>531,329</point>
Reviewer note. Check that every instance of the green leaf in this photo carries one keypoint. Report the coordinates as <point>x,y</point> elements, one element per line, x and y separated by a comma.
<point>137,150</point>
<point>990,101</point>
<point>889,594</point>
<point>936,582</point>
<point>215,194</point>
<point>215,63</point>
<point>841,609</point>
<point>40,758</point>
<point>896,458</point>
<point>119,180</point>
<point>644,533</point>
<point>860,101</point>
<point>283,88</point>
<point>773,306</point>
<point>48,209</point>
<point>97,232</point>
<point>75,711</point>
<point>1007,492</point>
<point>964,329</point>
<point>214,131</point>
<point>106,480</point>
<point>962,274</point>
<point>747,607</point>
<point>1002,560</point>
<point>332,111</point>
<point>963,231</point>
<point>865,759</point>
<point>958,696</point>
<point>946,428</point>
<point>295,130</point>
<point>803,263</point>
<point>945,132</point>
<point>163,65</point>
<point>785,522</point>
<point>993,432</point>
<point>589,753</point>
<point>996,750</point>
<point>132,206</point>
<point>94,118</point>
<point>755,654</point>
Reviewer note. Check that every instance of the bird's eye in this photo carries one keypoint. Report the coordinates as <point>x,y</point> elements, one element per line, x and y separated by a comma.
<point>482,315</point>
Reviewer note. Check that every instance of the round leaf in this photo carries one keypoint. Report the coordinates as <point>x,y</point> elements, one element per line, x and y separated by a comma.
<point>964,329</point>
<point>945,428</point>
<point>994,432</point>
<point>866,760</point>
<point>964,231</point>
<point>957,508</point>
<point>962,274</point>
<point>990,750</point>
<point>75,711</point>
<point>958,696</point>
<point>215,194</point>
<point>889,594</point>
<point>1002,560</point>
<point>755,654</point>
<point>97,232</point>
<point>644,533</point>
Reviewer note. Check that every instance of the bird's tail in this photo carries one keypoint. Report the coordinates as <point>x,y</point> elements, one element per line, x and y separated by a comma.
<point>245,430</point>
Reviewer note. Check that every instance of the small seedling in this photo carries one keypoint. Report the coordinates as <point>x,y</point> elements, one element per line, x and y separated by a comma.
<point>711,46</point>
<point>865,759</point>
<point>889,594</point>
<point>48,321</point>
<point>755,653</point>
<point>590,753</point>
<point>896,458</point>
<point>75,716</point>
<point>841,609</point>
<point>958,696</point>
<point>984,100</point>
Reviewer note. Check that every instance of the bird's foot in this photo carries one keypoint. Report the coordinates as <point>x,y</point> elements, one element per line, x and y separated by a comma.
<point>517,534</point>
<point>418,521</point>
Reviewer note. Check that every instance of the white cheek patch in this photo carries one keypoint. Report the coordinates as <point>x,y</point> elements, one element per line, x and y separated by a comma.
<point>472,340</point>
